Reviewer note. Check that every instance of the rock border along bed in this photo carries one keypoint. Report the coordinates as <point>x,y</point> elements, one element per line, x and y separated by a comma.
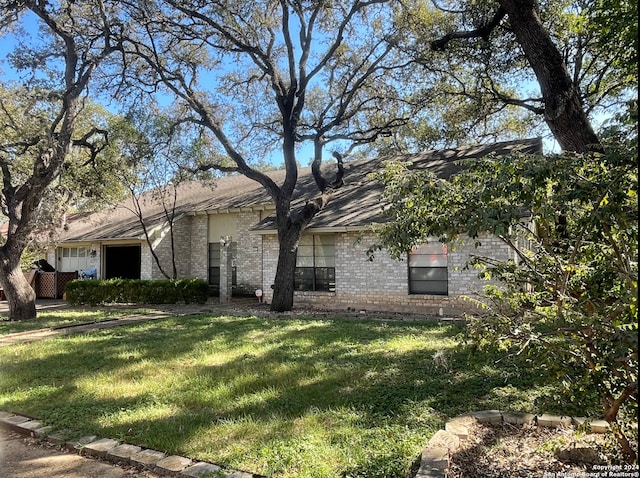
<point>433,463</point>
<point>435,456</point>
<point>115,451</point>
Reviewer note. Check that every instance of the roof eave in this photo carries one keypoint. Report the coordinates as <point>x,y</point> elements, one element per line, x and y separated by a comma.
<point>232,210</point>
<point>317,230</point>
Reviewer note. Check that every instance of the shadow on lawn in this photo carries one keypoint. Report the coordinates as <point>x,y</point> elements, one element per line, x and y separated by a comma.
<point>291,372</point>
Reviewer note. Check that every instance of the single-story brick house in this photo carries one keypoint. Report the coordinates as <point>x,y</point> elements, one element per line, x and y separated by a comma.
<point>333,267</point>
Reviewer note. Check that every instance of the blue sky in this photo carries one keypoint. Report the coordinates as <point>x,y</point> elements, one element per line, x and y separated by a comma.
<point>7,73</point>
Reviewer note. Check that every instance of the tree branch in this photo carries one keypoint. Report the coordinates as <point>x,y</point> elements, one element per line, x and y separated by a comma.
<point>483,32</point>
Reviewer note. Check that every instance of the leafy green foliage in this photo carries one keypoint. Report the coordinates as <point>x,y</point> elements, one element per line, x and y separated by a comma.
<point>615,22</point>
<point>137,291</point>
<point>85,183</point>
<point>567,299</point>
<point>483,85</point>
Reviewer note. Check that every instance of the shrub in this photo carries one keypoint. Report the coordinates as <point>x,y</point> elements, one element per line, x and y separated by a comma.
<point>568,296</point>
<point>136,291</point>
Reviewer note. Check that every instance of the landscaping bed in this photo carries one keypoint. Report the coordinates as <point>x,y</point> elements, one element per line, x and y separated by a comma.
<point>528,451</point>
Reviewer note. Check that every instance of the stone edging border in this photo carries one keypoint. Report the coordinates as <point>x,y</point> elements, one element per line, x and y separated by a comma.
<point>435,456</point>
<point>116,452</point>
<point>433,463</point>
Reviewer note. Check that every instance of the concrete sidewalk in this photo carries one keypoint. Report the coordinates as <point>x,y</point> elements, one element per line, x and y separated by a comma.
<point>212,305</point>
<point>40,334</point>
<point>41,304</point>
<point>150,312</point>
<point>26,457</point>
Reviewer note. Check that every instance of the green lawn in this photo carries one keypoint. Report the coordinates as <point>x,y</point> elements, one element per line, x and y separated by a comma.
<point>63,317</point>
<point>279,397</point>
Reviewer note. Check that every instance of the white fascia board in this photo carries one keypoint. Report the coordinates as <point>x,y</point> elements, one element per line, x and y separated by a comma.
<point>317,230</point>
<point>232,210</point>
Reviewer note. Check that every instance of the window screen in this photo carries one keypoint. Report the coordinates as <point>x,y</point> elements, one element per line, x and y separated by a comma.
<point>428,272</point>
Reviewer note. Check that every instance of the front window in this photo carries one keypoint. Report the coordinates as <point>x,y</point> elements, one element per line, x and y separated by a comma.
<point>71,259</point>
<point>315,263</point>
<point>214,262</point>
<point>428,269</point>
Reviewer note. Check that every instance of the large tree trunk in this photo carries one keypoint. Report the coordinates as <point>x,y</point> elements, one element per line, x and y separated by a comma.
<point>19,293</point>
<point>283,287</point>
<point>564,113</point>
<point>290,228</point>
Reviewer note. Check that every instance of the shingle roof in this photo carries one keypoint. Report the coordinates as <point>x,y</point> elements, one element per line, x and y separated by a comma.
<point>120,222</point>
<point>357,204</point>
<point>354,205</point>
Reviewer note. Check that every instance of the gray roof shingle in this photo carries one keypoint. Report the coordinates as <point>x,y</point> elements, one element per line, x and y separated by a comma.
<point>354,205</point>
<point>357,204</point>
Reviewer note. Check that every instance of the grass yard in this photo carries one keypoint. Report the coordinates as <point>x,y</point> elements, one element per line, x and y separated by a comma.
<point>279,397</point>
<point>64,317</point>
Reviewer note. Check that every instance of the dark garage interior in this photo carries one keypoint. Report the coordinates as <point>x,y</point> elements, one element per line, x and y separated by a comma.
<point>122,262</point>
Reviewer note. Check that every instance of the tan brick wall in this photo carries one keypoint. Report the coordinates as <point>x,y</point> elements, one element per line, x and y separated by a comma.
<point>199,248</point>
<point>382,284</point>
<point>146,262</point>
<point>191,249</point>
<point>361,284</point>
<point>249,259</point>
<point>182,242</point>
<point>269,264</point>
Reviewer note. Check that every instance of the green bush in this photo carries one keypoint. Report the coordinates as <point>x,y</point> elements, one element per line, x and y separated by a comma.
<point>136,291</point>
<point>566,298</point>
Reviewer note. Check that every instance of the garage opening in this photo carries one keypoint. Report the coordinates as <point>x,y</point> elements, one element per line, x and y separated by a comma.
<point>122,262</point>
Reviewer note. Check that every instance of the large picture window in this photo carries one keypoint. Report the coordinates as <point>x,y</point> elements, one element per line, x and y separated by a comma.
<point>315,263</point>
<point>214,263</point>
<point>428,269</point>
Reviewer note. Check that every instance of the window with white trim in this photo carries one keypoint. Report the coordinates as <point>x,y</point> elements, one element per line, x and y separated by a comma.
<point>72,259</point>
<point>428,269</point>
<point>316,263</point>
<point>215,255</point>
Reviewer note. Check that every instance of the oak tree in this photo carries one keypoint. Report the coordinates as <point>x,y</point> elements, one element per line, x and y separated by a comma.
<point>268,77</point>
<point>549,59</point>
<point>58,67</point>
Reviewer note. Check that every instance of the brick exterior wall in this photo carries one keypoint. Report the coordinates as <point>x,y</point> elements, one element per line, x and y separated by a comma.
<point>199,247</point>
<point>382,284</point>
<point>147,263</point>
<point>162,248</point>
<point>249,259</point>
<point>191,250</point>
<point>269,265</point>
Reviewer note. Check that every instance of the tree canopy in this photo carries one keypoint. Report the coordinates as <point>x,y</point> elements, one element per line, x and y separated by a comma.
<point>567,298</point>
<point>58,63</point>
<point>269,77</point>
<point>514,64</point>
